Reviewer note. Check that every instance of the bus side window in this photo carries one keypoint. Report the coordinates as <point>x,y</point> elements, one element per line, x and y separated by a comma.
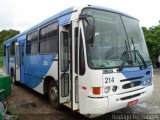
<point>81,57</point>
<point>49,38</point>
<point>32,42</point>
<point>18,55</point>
<point>12,49</point>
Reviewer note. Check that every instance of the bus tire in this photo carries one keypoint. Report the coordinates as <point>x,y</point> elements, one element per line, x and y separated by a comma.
<point>53,95</point>
<point>13,77</point>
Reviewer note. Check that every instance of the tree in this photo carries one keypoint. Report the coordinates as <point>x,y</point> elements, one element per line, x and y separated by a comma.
<point>5,35</point>
<point>152,36</point>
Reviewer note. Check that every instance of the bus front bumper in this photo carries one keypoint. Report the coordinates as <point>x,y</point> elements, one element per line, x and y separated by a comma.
<point>100,106</point>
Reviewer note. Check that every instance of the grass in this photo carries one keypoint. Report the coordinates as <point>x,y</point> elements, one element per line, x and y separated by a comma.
<point>0,62</point>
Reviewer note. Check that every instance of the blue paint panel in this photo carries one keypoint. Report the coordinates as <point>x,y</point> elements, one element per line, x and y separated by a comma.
<point>136,72</point>
<point>32,64</point>
<point>28,79</point>
<point>65,19</point>
<point>36,68</point>
<point>32,81</point>
<point>46,63</point>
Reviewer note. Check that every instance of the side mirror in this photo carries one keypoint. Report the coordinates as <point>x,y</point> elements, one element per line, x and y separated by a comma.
<point>89,27</point>
<point>90,34</point>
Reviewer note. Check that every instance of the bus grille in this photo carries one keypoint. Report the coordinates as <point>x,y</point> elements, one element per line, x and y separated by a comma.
<point>131,85</point>
<point>131,96</point>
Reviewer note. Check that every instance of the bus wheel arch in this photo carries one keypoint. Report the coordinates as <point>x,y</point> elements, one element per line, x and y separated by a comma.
<point>46,83</point>
<point>51,89</point>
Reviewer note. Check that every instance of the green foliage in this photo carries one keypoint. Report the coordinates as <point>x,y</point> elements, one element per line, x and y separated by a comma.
<point>152,36</point>
<point>5,35</point>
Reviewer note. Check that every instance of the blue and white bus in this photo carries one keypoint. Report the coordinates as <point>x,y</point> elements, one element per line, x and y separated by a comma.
<point>91,59</point>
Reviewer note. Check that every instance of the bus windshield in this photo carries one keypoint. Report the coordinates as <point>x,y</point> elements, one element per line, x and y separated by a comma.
<point>114,36</point>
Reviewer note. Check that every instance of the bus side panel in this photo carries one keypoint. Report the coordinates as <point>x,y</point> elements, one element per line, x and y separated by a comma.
<point>49,67</point>
<point>32,70</point>
<point>46,62</point>
<point>36,68</point>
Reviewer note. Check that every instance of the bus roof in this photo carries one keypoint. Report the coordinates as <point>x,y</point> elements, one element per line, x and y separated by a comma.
<point>66,20</point>
<point>113,10</point>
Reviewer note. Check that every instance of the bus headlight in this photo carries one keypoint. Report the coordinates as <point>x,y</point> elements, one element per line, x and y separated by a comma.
<point>107,89</point>
<point>145,82</point>
<point>114,88</point>
<point>148,81</point>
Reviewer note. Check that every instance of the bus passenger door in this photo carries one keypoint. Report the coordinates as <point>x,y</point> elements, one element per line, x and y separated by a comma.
<point>74,82</point>
<point>64,66</point>
<point>17,63</point>
<point>22,61</point>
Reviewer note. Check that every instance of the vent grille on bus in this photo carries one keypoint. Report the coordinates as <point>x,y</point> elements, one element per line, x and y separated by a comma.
<point>131,96</point>
<point>131,85</point>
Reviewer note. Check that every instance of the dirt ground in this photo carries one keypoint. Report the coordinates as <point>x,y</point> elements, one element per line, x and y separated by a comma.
<point>30,105</point>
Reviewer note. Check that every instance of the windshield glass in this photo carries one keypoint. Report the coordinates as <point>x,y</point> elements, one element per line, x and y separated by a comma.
<point>110,41</point>
<point>136,41</point>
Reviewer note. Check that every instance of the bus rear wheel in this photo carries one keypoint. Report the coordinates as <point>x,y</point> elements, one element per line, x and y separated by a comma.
<point>53,95</point>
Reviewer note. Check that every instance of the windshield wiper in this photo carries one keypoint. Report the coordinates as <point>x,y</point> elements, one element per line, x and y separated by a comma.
<point>141,57</point>
<point>125,57</point>
<point>138,53</point>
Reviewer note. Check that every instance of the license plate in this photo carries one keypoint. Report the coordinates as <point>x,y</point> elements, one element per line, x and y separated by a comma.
<point>132,103</point>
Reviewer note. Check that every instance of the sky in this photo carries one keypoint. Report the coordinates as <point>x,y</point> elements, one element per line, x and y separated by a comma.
<point>23,14</point>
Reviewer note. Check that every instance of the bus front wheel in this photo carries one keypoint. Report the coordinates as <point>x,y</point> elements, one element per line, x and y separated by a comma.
<point>53,94</point>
